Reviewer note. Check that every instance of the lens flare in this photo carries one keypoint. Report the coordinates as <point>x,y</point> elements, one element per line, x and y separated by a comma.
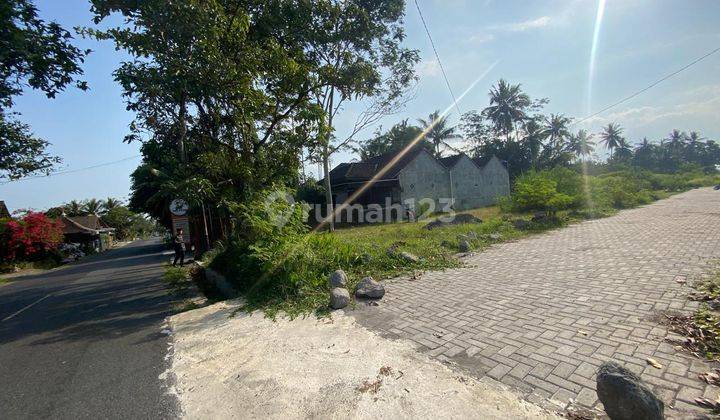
<point>593,53</point>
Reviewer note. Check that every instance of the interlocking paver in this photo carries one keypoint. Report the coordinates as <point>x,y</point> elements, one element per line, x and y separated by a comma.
<point>542,313</point>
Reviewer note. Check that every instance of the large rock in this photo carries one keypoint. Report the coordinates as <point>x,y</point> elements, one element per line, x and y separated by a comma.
<point>368,288</point>
<point>339,298</point>
<point>625,396</point>
<point>338,279</point>
<point>409,257</point>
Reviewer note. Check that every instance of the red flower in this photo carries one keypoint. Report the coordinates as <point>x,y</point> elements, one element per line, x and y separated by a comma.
<point>34,235</point>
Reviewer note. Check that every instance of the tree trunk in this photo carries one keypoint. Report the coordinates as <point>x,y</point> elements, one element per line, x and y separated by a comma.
<point>326,164</point>
<point>328,190</point>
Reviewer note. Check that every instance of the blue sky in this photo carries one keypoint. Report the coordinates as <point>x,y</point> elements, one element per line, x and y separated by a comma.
<point>544,45</point>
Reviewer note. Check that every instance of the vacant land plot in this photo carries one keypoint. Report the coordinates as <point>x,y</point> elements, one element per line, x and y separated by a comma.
<point>542,313</point>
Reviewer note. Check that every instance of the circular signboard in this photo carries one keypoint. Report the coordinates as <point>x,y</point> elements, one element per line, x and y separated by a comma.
<point>179,207</point>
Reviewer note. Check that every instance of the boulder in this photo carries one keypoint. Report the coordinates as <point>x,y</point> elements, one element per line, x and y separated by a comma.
<point>337,279</point>
<point>409,257</point>
<point>464,246</point>
<point>339,298</point>
<point>625,396</point>
<point>368,288</point>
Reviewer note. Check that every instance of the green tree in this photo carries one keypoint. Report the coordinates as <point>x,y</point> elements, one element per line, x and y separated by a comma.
<point>676,141</point>
<point>436,129</point>
<point>556,129</point>
<point>93,206</point>
<point>110,203</point>
<point>611,136</point>
<point>223,96</point>
<point>581,144</point>
<point>356,53</point>
<point>623,151</point>
<point>39,55</point>
<point>397,137</point>
<point>74,208</point>
<point>508,107</point>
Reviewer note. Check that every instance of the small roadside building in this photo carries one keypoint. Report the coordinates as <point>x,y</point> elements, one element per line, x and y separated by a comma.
<point>88,231</point>
<point>415,176</point>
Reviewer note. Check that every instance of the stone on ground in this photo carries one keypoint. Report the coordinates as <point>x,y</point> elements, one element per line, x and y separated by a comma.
<point>338,279</point>
<point>409,257</point>
<point>339,298</point>
<point>370,289</point>
<point>464,246</point>
<point>625,396</point>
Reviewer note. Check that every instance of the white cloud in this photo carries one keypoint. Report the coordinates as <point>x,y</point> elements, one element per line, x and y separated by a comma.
<point>428,68</point>
<point>481,38</point>
<point>527,25</point>
<point>640,116</point>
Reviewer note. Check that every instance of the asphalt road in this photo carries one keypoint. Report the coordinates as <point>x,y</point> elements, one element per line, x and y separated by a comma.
<point>86,341</point>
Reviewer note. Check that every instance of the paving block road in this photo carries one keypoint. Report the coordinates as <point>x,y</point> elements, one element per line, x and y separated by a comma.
<point>542,313</point>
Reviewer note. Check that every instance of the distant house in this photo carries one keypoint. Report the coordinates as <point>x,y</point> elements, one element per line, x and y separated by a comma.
<point>87,230</point>
<point>416,175</point>
<point>4,212</point>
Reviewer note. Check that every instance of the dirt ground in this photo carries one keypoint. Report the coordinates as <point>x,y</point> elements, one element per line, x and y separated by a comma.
<point>247,366</point>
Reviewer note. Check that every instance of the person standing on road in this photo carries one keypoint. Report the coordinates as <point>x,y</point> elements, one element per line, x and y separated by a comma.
<point>179,245</point>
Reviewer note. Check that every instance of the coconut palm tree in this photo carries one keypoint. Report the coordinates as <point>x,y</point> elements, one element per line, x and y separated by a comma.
<point>532,140</point>
<point>611,136</point>
<point>508,105</point>
<point>556,129</point>
<point>623,151</point>
<point>110,203</point>
<point>581,144</point>
<point>695,144</point>
<point>73,208</point>
<point>436,129</point>
<point>93,206</point>
<point>676,140</point>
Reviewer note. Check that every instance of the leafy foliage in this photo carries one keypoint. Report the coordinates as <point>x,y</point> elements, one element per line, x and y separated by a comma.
<point>39,55</point>
<point>538,191</point>
<point>396,138</point>
<point>31,238</point>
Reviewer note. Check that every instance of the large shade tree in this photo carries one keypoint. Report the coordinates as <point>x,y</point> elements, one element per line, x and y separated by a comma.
<point>33,54</point>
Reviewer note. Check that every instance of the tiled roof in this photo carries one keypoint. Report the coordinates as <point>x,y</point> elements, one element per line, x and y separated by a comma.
<point>83,224</point>
<point>367,169</point>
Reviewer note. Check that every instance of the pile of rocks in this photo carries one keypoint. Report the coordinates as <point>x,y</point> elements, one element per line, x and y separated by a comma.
<point>368,288</point>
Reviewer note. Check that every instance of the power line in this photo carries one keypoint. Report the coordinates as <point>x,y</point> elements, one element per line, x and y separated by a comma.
<point>645,89</point>
<point>70,171</point>
<point>437,56</point>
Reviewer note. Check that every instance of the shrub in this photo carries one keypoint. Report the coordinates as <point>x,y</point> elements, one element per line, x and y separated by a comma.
<point>32,238</point>
<point>272,257</point>
<point>570,183</point>
<point>538,191</point>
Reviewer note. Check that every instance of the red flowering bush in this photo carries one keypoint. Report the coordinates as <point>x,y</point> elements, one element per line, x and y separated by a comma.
<point>31,238</point>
